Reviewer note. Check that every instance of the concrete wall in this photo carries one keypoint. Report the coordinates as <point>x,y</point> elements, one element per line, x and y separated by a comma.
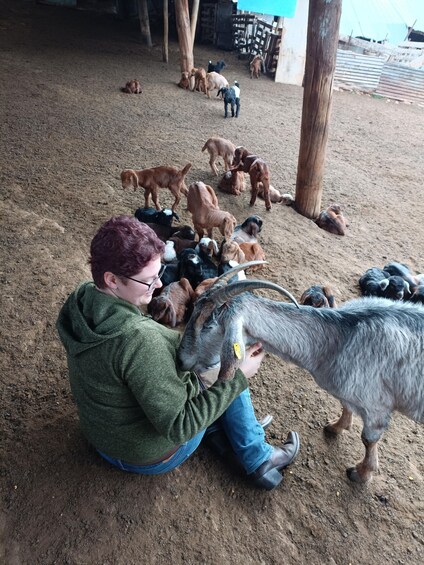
<point>291,60</point>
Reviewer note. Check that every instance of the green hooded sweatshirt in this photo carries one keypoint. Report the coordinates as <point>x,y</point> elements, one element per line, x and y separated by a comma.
<point>133,403</point>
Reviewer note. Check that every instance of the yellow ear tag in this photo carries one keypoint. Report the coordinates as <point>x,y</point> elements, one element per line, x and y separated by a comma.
<point>237,350</point>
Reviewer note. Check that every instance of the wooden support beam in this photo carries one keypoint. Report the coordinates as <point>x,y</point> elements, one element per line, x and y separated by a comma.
<point>182,17</point>
<point>321,50</point>
<point>165,31</point>
<point>143,14</point>
<point>194,13</point>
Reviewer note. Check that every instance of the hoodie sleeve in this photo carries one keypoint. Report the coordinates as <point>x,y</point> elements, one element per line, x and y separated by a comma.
<point>171,399</point>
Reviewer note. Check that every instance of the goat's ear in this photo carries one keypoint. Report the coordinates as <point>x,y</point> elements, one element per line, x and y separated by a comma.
<point>232,351</point>
<point>384,284</point>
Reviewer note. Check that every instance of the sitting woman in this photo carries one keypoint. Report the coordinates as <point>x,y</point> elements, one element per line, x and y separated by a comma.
<point>140,412</point>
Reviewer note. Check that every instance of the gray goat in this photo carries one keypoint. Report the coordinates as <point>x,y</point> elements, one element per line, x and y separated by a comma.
<point>369,353</point>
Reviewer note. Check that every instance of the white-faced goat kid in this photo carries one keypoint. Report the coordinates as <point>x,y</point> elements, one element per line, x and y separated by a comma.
<point>202,203</point>
<point>248,230</point>
<point>369,353</point>
<point>171,306</point>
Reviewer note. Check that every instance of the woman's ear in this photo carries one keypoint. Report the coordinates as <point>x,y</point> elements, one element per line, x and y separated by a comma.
<point>110,280</point>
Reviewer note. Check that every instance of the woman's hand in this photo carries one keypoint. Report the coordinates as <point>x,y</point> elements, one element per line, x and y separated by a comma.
<point>252,360</point>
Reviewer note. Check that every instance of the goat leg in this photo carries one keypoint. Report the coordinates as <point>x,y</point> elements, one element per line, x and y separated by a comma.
<point>336,426</point>
<point>155,198</point>
<point>254,191</point>
<point>363,471</point>
<point>146,198</point>
<point>213,166</point>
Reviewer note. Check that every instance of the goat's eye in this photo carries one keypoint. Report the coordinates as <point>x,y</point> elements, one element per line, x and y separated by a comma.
<point>210,322</point>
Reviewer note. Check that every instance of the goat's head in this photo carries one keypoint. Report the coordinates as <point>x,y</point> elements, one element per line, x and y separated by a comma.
<point>215,326</point>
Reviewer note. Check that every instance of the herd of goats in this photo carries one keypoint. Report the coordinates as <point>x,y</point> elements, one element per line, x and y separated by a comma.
<point>368,353</point>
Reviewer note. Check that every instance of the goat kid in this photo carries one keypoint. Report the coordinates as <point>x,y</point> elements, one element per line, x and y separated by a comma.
<point>259,173</point>
<point>318,297</point>
<point>377,282</point>
<point>248,230</point>
<point>199,75</point>
<point>253,252</point>
<point>232,182</point>
<point>155,178</point>
<point>215,81</point>
<point>219,147</point>
<point>132,87</point>
<point>171,306</point>
<point>202,203</point>
<point>256,66</point>
<point>332,220</point>
<point>217,67</point>
<point>184,80</point>
<point>369,353</point>
<point>231,97</point>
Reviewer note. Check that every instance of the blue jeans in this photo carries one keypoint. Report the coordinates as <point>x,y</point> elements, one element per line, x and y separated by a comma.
<point>239,423</point>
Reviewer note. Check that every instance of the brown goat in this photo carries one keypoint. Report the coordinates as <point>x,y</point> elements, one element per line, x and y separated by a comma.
<point>199,75</point>
<point>319,297</point>
<point>219,147</point>
<point>202,203</point>
<point>215,80</point>
<point>259,172</point>
<point>253,252</point>
<point>132,87</point>
<point>256,66</point>
<point>154,179</point>
<point>232,182</point>
<point>172,304</point>
<point>231,251</point>
<point>243,160</point>
<point>332,220</point>
<point>185,80</point>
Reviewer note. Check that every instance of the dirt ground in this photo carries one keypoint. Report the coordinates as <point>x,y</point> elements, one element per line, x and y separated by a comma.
<point>67,132</point>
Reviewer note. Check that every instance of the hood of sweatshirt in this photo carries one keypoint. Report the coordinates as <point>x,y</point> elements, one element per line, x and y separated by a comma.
<point>89,318</point>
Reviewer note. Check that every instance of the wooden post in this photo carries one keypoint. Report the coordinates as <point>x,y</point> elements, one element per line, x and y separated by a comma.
<point>165,31</point>
<point>194,13</point>
<point>321,50</point>
<point>182,17</point>
<point>143,14</point>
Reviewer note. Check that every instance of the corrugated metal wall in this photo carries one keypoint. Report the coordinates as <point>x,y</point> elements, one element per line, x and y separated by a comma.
<point>402,83</point>
<point>358,70</point>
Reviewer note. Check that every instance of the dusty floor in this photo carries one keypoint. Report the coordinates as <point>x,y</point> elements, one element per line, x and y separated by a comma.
<point>67,132</point>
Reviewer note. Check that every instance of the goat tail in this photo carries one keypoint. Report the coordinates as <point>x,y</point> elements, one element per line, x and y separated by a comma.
<point>205,146</point>
<point>186,169</point>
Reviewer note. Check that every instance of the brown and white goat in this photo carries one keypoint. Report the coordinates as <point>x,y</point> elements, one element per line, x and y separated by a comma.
<point>202,203</point>
<point>172,305</point>
<point>219,147</point>
<point>259,172</point>
<point>132,87</point>
<point>199,75</point>
<point>215,81</point>
<point>332,220</point>
<point>154,179</point>
<point>231,251</point>
<point>232,182</point>
<point>256,66</point>
<point>243,159</point>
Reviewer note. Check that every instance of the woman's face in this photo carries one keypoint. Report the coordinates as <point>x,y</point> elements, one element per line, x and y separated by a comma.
<point>136,289</point>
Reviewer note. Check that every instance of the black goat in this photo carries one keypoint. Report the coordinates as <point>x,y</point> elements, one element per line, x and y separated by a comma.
<point>378,282</point>
<point>229,95</point>
<point>150,215</point>
<point>217,68</point>
<point>166,232</point>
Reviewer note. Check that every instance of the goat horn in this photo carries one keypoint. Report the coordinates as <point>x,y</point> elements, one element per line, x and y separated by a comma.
<point>234,270</point>
<point>223,294</point>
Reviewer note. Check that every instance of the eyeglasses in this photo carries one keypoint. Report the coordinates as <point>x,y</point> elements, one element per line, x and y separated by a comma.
<point>154,281</point>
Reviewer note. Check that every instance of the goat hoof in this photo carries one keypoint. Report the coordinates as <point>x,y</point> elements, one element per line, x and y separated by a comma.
<point>356,477</point>
<point>331,430</point>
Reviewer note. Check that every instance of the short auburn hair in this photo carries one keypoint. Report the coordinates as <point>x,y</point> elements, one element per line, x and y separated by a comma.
<point>122,246</point>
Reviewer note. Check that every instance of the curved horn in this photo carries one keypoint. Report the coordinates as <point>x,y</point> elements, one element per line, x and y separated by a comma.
<point>223,294</point>
<point>234,270</point>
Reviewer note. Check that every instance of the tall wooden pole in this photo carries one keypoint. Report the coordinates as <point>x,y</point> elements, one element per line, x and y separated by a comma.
<point>321,50</point>
<point>143,14</point>
<point>165,31</point>
<point>182,17</point>
<point>194,13</point>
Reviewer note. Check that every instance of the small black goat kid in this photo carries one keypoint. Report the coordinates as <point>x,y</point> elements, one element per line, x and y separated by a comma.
<point>217,67</point>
